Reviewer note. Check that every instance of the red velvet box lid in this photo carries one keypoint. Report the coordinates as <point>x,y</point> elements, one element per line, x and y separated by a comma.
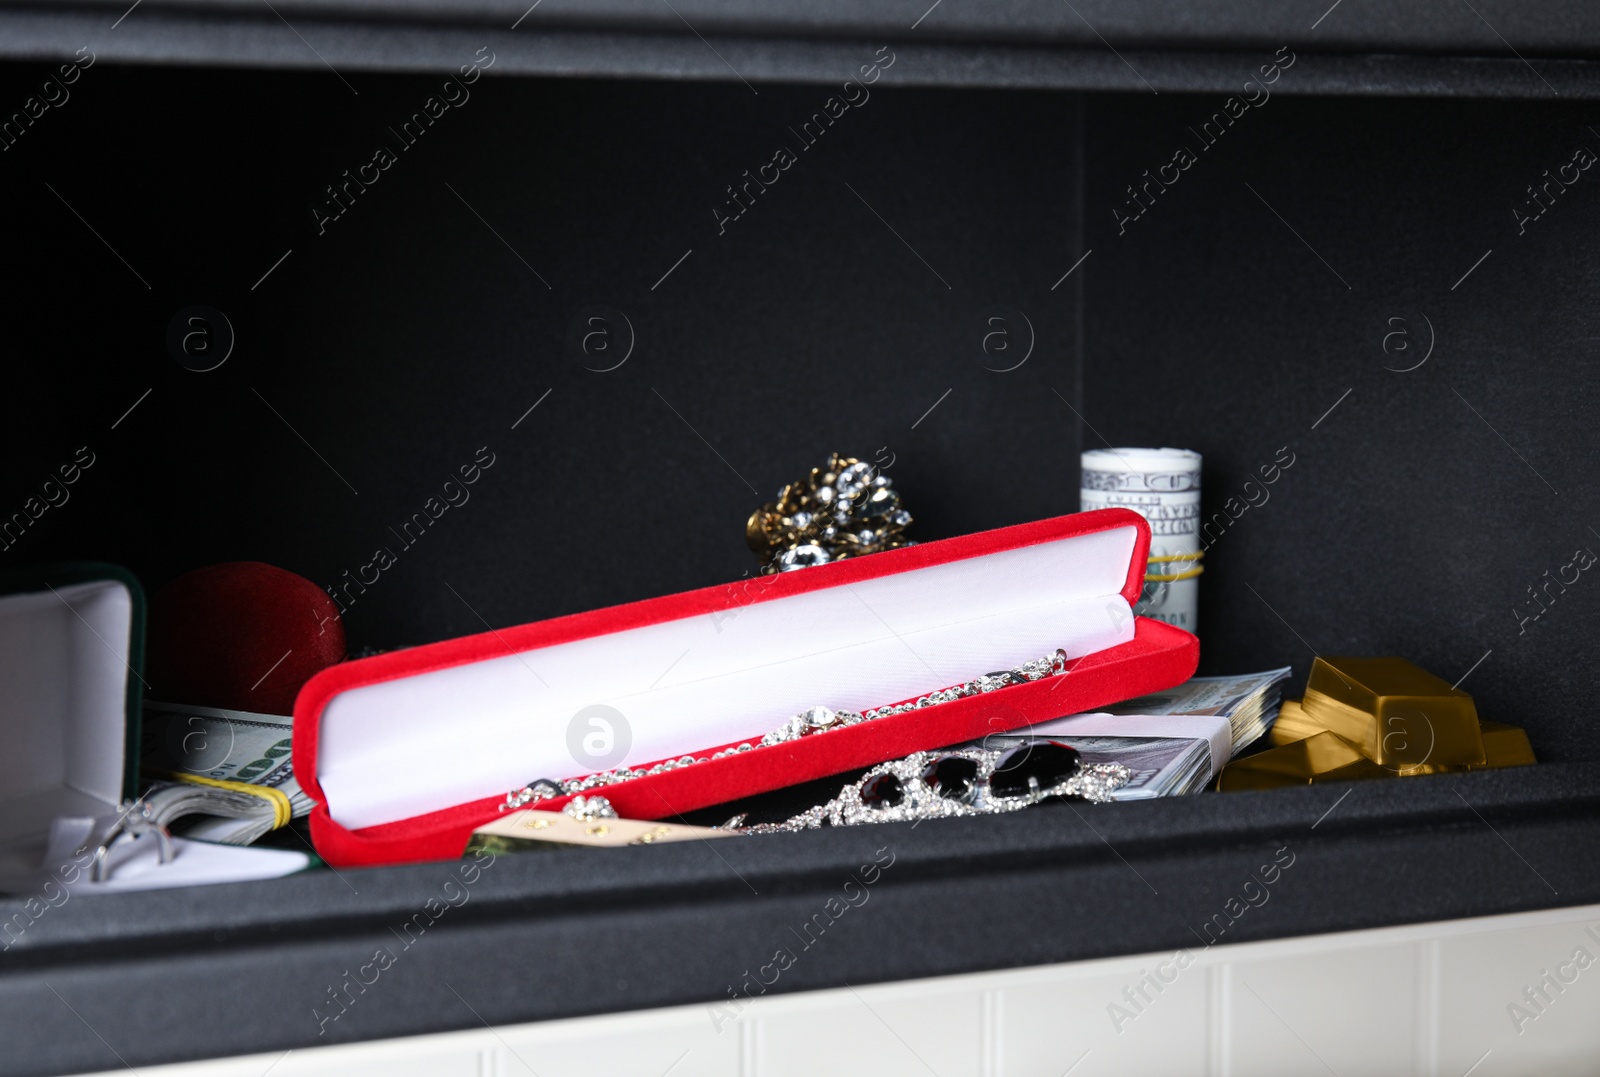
<point>1157,656</point>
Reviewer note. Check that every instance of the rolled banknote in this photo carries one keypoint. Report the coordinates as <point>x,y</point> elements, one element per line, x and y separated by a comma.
<point>1163,486</point>
<point>233,765</point>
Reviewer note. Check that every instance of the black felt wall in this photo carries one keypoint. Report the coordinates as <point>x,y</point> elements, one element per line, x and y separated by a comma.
<point>903,263</point>
<point>848,308</point>
<point>1283,292</point>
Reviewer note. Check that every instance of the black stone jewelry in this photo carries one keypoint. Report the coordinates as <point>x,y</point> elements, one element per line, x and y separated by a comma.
<point>958,782</point>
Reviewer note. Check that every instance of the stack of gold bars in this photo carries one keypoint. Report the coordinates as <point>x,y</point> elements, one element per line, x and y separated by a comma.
<point>1376,718</point>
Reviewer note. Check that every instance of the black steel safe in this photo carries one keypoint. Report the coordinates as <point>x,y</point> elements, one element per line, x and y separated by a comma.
<point>1361,236</point>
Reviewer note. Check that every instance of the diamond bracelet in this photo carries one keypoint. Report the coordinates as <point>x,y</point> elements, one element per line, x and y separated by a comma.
<point>812,721</point>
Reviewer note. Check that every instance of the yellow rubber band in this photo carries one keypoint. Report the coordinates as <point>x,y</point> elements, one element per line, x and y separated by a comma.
<point>1168,577</point>
<point>1171,577</point>
<point>281,810</point>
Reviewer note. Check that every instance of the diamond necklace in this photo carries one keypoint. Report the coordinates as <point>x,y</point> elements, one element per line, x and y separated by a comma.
<point>919,787</point>
<point>809,722</point>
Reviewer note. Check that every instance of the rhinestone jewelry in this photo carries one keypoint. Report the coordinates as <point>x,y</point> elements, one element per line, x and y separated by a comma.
<point>844,509</point>
<point>821,719</point>
<point>811,721</point>
<point>543,789</point>
<point>588,809</point>
<point>952,784</point>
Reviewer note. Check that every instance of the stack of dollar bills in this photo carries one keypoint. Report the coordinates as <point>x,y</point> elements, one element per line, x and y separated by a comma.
<point>1249,701</point>
<point>1175,742</point>
<point>1167,754</point>
<point>230,770</point>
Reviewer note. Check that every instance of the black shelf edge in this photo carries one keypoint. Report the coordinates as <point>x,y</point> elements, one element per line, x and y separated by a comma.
<point>645,928</point>
<point>1567,28</point>
<point>255,38</point>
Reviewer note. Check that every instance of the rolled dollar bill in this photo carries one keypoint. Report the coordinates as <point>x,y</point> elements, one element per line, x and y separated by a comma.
<point>233,765</point>
<point>1163,486</point>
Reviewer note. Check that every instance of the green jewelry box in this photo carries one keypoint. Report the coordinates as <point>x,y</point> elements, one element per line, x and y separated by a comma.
<point>71,653</point>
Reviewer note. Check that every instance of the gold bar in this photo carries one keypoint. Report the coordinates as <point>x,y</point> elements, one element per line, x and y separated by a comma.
<point>1322,757</point>
<point>1292,724</point>
<point>1399,716</point>
<point>1503,746</point>
<point>1506,745</point>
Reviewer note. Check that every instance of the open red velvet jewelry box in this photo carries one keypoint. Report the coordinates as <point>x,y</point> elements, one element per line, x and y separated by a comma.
<point>405,753</point>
